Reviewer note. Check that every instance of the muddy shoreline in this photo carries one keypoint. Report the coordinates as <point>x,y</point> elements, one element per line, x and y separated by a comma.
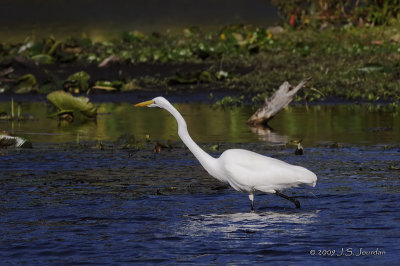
<point>353,65</point>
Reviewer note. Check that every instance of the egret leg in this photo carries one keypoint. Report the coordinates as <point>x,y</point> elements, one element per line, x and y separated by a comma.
<point>251,197</point>
<point>295,201</point>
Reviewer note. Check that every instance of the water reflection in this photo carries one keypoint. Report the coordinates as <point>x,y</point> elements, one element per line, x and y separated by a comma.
<point>266,134</point>
<point>338,123</point>
<point>248,222</point>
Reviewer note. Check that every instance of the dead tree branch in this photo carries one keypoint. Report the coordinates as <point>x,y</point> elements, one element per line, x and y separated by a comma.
<point>281,98</point>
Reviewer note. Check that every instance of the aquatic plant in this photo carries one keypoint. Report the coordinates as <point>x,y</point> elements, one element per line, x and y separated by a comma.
<point>26,83</point>
<point>66,102</point>
<point>229,101</point>
<point>347,62</point>
<point>77,82</point>
<point>300,13</point>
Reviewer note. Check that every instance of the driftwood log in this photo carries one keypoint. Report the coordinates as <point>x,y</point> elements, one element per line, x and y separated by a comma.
<point>281,98</point>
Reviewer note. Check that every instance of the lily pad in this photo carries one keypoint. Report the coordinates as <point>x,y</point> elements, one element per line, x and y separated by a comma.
<point>12,141</point>
<point>80,80</point>
<point>106,86</point>
<point>66,101</point>
<point>26,83</point>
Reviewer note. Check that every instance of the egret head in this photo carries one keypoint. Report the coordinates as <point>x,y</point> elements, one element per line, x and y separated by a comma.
<point>156,102</point>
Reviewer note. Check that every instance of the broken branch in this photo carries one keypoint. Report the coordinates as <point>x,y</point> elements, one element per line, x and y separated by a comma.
<point>273,105</point>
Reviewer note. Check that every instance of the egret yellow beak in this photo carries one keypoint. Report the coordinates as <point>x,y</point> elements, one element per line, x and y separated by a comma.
<point>146,103</point>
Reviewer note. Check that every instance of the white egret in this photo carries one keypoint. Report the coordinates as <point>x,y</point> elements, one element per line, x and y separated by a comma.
<point>244,170</point>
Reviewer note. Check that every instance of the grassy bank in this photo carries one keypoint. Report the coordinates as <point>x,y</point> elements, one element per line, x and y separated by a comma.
<point>350,63</point>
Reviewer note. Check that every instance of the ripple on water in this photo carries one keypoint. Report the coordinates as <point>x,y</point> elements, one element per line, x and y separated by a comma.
<point>77,206</point>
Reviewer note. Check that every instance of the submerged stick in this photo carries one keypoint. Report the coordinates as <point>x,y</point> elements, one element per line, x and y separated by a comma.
<point>273,105</point>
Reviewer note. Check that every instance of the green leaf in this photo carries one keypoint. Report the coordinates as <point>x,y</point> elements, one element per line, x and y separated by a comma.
<point>130,86</point>
<point>65,101</point>
<point>43,59</point>
<point>81,79</point>
<point>54,47</point>
<point>26,83</point>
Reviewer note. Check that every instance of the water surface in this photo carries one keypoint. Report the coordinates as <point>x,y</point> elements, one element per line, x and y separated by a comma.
<point>353,124</point>
<point>69,203</point>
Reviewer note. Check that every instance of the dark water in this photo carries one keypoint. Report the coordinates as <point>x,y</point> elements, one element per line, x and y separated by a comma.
<point>61,202</point>
<point>103,19</point>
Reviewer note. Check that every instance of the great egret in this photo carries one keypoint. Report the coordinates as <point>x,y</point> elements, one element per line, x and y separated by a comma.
<point>244,170</point>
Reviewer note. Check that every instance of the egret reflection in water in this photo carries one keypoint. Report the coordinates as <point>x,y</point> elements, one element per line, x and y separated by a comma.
<point>249,222</point>
<point>266,134</point>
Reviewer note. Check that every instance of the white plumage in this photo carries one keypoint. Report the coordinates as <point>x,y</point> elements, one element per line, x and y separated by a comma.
<point>249,171</point>
<point>244,170</point>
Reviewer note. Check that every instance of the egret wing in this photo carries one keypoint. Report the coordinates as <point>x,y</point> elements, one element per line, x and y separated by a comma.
<point>249,171</point>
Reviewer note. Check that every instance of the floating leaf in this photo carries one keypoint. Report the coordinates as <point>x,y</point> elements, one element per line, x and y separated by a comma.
<point>26,83</point>
<point>104,88</point>
<point>43,59</point>
<point>108,86</point>
<point>80,80</point>
<point>65,101</point>
<point>130,86</point>
<point>18,142</point>
<point>62,112</point>
<point>229,101</point>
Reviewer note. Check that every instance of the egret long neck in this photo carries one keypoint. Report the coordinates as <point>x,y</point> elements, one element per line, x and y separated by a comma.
<point>207,161</point>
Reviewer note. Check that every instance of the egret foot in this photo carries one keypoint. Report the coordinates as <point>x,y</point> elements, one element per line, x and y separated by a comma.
<point>295,201</point>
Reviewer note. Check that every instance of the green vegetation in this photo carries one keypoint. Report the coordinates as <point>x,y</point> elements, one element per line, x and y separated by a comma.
<point>317,13</point>
<point>67,103</point>
<point>349,62</point>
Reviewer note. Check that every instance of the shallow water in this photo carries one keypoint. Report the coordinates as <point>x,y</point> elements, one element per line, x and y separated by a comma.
<point>352,124</point>
<point>61,202</point>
